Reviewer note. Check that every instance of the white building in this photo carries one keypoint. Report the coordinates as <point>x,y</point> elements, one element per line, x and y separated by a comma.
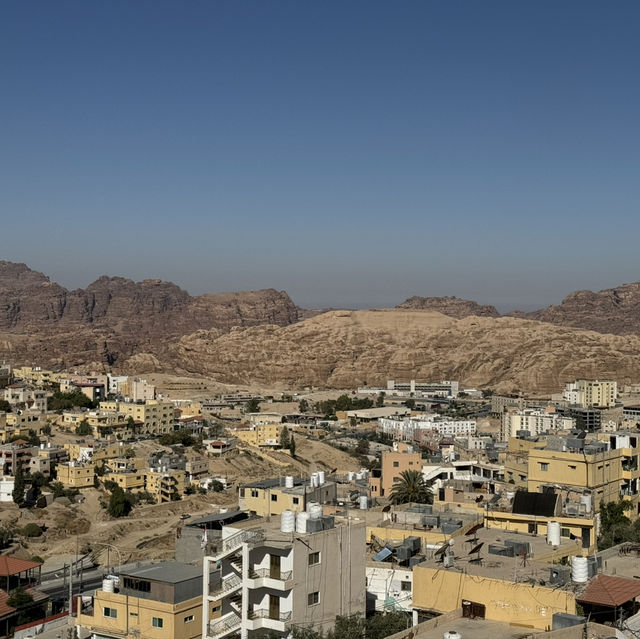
<point>601,393</point>
<point>390,587</point>
<point>407,429</point>
<point>534,421</point>
<point>7,483</point>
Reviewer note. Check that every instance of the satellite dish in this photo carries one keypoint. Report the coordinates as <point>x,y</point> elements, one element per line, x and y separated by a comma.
<point>387,508</point>
<point>477,548</point>
<point>474,529</point>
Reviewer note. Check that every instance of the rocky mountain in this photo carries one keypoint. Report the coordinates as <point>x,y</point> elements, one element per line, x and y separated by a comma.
<point>116,317</point>
<point>613,310</point>
<point>344,349</point>
<point>451,306</point>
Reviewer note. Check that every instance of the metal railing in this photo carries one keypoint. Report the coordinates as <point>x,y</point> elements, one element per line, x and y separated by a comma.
<point>227,584</point>
<point>224,626</point>
<point>264,613</point>
<point>244,536</point>
<point>258,573</point>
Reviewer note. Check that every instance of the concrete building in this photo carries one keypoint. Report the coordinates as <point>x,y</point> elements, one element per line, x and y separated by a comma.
<point>267,435</point>
<point>535,422</point>
<point>436,389</point>
<point>165,485</point>
<point>153,602</point>
<point>389,587</point>
<point>591,393</point>
<point>409,429</point>
<point>272,580</point>
<point>394,462</point>
<point>273,496</point>
<point>76,475</point>
<point>152,417</point>
<point>21,396</point>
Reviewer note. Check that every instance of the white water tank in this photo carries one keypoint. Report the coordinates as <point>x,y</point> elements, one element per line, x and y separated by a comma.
<point>310,505</point>
<point>288,482</point>
<point>363,501</point>
<point>579,570</point>
<point>360,475</point>
<point>314,480</point>
<point>301,522</point>
<point>321,477</point>
<point>510,495</point>
<point>315,512</point>
<point>351,475</point>
<point>288,521</point>
<point>107,585</point>
<point>585,500</point>
<point>451,634</point>
<point>553,533</point>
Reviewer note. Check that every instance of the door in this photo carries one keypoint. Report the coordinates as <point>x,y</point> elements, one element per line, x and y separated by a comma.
<point>274,607</point>
<point>473,610</point>
<point>274,566</point>
<point>586,537</point>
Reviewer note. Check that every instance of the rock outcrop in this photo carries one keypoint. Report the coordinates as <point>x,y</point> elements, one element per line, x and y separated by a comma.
<point>613,310</point>
<point>343,349</point>
<point>451,306</point>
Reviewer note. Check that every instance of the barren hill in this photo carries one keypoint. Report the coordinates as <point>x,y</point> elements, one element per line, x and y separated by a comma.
<point>613,310</point>
<point>451,306</point>
<point>342,349</point>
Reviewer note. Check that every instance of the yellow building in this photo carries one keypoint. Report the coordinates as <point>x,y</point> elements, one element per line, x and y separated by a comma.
<point>127,480</point>
<point>497,599</point>
<point>154,417</point>
<point>74,475</point>
<point>601,393</point>
<point>154,602</point>
<point>260,434</point>
<point>163,485</point>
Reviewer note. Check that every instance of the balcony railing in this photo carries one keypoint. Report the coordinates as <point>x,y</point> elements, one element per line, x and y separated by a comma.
<point>228,584</point>
<point>281,575</point>
<point>265,613</point>
<point>226,625</point>
<point>244,536</point>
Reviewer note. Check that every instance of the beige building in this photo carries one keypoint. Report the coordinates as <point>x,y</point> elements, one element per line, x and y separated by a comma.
<point>272,580</point>
<point>598,393</point>
<point>535,422</point>
<point>153,417</point>
<point>394,463</point>
<point>165,485</point>
<point>260,434</point>
<point>154,602</point>
<point>75,475</point>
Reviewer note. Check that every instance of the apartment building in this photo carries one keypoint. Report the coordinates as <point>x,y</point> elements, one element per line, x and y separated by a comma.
<point>152,417</point>
<point>394,462</point>
<point>20,396</point>
<point>435,389</point>
<point>591,393</point>
<point>152,602</point>
<point>409,429</point>
<point>76,475</point>
<point>16,452</point>
<point>274,496</point>
<point>37,375</point>
<point>260,434</point>
<point>273,578</point>
<point>535,422</point>
<point>138,390</point>
<point>165,485</point>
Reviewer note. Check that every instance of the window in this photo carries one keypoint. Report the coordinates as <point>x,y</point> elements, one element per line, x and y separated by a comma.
<point>156,622</point>
<point>314,558</point>
<point>313,598</point>
<point>572,466</point>
<point>274,497</point>
<point>254,493</point>
<point>544,466</point>
<point>296,500</point>
<point>110,612</point>
<point>133,614</point>
<point>405,586</point>
<point>396,464</point>
<point>565,532</point>
<point>188,619</point>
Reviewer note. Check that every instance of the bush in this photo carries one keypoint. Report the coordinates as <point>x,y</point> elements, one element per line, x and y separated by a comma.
<point>37,558</point>
<point>32,530</point>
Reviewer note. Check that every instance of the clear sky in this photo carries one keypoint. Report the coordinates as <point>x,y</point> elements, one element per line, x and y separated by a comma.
<point>350,153</point>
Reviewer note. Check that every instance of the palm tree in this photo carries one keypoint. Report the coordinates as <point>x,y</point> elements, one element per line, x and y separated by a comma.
<point>411,487</point>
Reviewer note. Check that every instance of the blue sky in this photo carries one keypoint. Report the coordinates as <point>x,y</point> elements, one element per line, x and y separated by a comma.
<point>351,153</point>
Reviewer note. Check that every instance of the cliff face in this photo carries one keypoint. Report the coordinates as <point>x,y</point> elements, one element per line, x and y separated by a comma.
<point>613,310</point>
<point>115,317</point>
<point>343,349</point>
<point>451,306</point>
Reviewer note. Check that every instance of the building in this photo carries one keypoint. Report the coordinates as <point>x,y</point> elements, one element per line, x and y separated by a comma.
<point>272,580</point>
<point>165,485</point>
<point>153,602</point>
<point>138,390</point>
<point>76,475</point>
<point>394,462</point>
<point>260,434</point>
<point>410,429</point>
<point>589,393</point>
<point>435,389</point>
<point>389,587</point>
<point>273,496</point>
<point>152,417</point>
<point>535,422</point>
<point>20,396</point>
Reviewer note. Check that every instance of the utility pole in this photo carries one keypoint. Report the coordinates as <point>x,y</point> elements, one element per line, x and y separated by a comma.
<point>70,590</point>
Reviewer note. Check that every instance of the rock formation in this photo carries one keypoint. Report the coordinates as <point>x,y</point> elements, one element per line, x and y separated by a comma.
<point>451,306</point>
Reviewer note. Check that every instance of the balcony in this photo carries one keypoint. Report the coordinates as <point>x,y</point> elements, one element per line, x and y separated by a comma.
<point>224,626</point>
<point>232,544</point>
<point>268,620</point>
<point>228,586</point>
<point>267,578</point>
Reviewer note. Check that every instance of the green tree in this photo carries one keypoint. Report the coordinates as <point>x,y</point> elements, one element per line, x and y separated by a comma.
<point>6,534</point>
<point>84,428</point>
<point>362,447</point>
<point>411,488</point>
<point>303,405</point>
<point>253,405</point>
<point>381,625</point>
<point>5,406</point>
<point>380,400</point>
<point>615,526</point>
<point>120,503</point>
<point>292,447</point>
<point>285,440</point>
<point>216,486</point>
<point>32,530</point>
<point>410,404</point>
<point>19,485</point>
<point>19,598</point>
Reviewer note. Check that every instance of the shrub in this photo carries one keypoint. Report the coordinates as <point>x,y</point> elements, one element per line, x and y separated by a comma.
<point>32,530</point>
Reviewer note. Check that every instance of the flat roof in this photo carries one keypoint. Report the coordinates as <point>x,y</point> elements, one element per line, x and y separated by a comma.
<point>476,628</point>
<point>171,572</point>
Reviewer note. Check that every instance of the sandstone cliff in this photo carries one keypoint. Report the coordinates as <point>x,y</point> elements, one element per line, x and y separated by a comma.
<point>343,349</point>
<point>451,306</point>
<point>613,310</point>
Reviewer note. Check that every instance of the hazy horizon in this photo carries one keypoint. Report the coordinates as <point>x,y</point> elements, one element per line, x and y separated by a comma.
<point>352,154</point>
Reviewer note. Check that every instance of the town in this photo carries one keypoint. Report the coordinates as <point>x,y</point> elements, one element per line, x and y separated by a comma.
<point>142,507</point>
